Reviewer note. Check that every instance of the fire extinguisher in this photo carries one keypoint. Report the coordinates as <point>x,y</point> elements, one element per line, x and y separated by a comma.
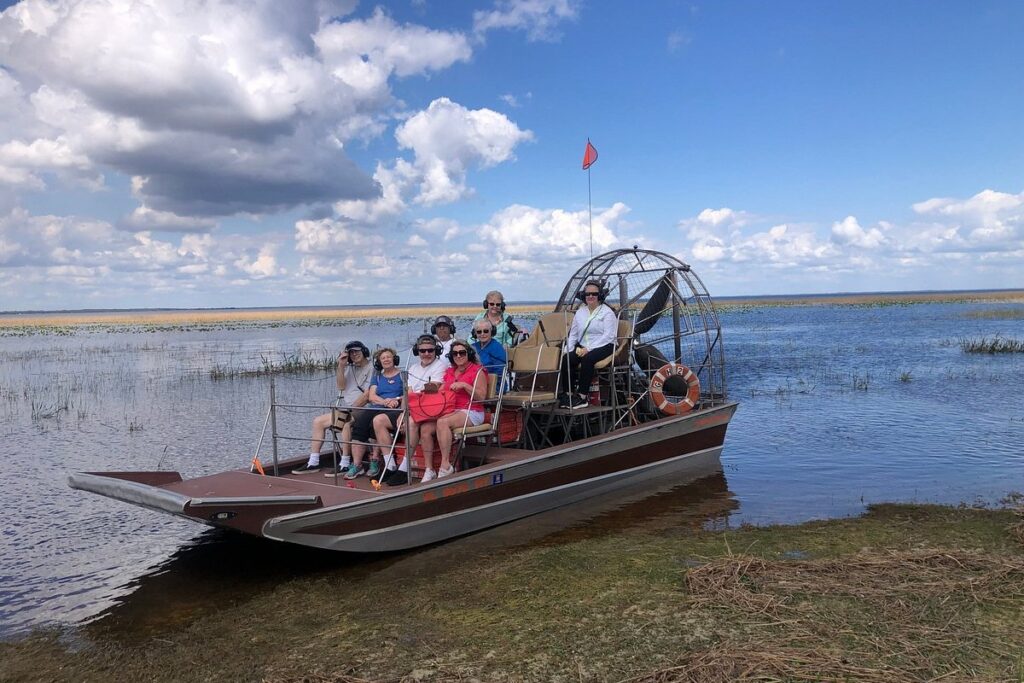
<point>595,393</point>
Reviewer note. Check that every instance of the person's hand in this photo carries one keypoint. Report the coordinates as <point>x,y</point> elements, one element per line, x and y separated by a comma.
<point>581,351</point>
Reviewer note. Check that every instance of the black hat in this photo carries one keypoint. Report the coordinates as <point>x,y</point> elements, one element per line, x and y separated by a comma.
<point>442,320</point>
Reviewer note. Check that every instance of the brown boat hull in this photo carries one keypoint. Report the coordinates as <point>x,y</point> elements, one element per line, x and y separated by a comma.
<point>513,484</point>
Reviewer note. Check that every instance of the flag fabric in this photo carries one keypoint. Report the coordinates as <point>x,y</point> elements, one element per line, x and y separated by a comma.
<point>589,156</point>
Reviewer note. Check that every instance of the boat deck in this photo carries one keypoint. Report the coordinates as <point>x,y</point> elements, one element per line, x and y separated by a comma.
<point>331,491</point>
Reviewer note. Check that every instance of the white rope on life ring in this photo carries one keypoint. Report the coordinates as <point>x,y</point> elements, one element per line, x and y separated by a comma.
<point>686,403</point>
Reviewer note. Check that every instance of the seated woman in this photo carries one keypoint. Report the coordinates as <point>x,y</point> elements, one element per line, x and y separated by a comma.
<point>505,331</point>
<point>385,392</point>
<point>591,339</point>
<point>490,351</point>
<point>466,382</point>
<point>428,371</point>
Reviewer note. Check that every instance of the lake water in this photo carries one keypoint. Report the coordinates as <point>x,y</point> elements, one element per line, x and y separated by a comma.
<point>840,407</point>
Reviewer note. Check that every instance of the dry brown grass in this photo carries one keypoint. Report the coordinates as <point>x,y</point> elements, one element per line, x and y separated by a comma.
<point>210,317</point>
<point>225,316</point>
<point>1010,296</point>
<point>877,616</point>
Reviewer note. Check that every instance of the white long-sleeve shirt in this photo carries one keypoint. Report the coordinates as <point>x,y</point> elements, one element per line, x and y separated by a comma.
<point>601,327</point>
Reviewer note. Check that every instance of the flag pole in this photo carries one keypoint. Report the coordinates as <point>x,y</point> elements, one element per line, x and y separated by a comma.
<point>589,157</point>
<point>590,214</point>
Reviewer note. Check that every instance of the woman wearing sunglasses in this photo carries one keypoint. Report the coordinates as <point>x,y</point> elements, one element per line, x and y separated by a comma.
<point>505,330</point>
<point>491,353</point>
<point>466,383</point>
<point>591,339</point>
<point>380,416</point>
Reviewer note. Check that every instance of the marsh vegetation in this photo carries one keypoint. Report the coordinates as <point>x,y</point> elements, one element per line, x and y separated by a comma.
<point>829,421</point>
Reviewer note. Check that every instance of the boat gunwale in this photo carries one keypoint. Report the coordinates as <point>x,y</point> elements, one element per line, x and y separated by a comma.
<point>491,467</point>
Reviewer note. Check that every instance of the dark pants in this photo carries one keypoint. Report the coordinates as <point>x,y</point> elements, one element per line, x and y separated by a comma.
<point>581,370</point>
<point>362,426</point>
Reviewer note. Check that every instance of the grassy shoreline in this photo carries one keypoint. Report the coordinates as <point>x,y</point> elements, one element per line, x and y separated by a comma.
<point>904,592</point>
<point>292,316</point>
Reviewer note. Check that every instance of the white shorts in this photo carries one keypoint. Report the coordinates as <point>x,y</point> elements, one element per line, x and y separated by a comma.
<point>476,418</point>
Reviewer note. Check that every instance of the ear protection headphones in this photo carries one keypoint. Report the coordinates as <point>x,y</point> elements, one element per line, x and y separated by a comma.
<point>494,328</point>
<point>470,355</point>
<point>602,292</point>
<point>356,345</point>
<point>376,358</point>
<point>429,339</point>
<point>494,293</point>
<point>442,320</point>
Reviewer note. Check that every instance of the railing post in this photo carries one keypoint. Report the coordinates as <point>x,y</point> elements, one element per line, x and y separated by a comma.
<point>273,423</point>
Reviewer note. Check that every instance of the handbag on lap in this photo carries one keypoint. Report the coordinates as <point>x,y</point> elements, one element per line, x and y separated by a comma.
<point>428,405</point>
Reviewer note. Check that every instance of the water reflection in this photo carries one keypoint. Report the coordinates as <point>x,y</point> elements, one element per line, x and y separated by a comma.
<point>221,569</point>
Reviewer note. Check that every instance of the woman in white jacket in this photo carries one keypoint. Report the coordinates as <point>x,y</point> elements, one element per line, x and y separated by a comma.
<point>591,339</point>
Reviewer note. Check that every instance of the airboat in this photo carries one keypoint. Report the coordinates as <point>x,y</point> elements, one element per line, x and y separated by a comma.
<point>658,409</point>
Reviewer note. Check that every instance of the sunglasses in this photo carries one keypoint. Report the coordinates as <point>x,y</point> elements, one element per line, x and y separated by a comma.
<point>483,331</point>
<point>493,303</point>
<point>591,293</point>
<point>460,352</point>
<point>426,349</point>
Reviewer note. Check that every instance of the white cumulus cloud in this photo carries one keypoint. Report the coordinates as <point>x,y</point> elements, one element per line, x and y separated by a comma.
<point>447,138</point>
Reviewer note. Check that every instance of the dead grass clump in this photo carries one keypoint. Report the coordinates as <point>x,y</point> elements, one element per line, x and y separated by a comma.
<point>759,585</point>
<point>723,664</point>
<point>873,616</point>
<point>329,678</point>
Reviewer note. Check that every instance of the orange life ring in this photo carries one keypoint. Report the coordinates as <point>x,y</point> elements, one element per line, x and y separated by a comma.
<point>658,389</point>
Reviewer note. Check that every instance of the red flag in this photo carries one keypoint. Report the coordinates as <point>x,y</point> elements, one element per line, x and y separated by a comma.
<point>589,156</point>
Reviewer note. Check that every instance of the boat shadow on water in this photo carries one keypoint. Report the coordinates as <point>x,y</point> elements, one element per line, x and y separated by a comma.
<point>222,568</point>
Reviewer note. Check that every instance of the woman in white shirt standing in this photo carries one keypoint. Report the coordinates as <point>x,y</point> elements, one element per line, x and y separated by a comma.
<point>591,339</point>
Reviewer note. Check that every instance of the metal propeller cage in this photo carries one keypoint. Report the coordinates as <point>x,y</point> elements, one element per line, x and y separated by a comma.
<point>672,316</point>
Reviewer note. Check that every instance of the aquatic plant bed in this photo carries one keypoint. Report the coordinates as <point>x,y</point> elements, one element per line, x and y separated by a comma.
<point>996,344</point>
<point>905,592</point>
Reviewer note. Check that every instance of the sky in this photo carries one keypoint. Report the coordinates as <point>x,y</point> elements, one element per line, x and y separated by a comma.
<point>187,153</point>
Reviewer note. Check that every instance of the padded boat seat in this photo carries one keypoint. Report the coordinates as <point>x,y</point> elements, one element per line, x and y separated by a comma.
<point>484,428</point>
<point>536,369</point>
<point>551,330</point>
<point>623,337</point>
<point>524,398</point>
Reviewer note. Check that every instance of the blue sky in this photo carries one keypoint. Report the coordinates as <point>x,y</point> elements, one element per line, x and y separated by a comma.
<point>236,153</point>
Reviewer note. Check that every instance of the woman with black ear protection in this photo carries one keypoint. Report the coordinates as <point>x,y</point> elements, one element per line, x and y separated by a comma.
<point>591,339</point>
<point>494,312</point>
<point>491,353</point>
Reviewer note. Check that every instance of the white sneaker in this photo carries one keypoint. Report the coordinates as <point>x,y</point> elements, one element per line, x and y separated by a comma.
<point>444,472</point>
<point>429,475</point>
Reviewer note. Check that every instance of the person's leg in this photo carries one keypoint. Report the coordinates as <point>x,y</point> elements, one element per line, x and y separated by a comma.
<point>427,432</point>
<point>445,438</point>
<point>412,436</point>
<point>320,425</point>
<point>356,468</point>
<point>361,432</point>
<point>382,425</point>
<point>586,370</point>
<point>346,444</point>
<point>587,363</point>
